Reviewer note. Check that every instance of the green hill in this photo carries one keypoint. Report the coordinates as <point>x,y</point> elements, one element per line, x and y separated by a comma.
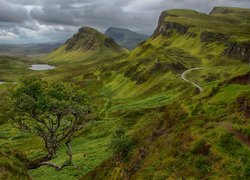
<point>174,130</point>
<point>12,67</point>
<point>179,132</point>
<point>88,43</point>
<point>125,37</point>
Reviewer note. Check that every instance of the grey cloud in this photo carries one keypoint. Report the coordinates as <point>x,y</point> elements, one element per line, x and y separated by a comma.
<point>52,20</point>
<point>52,15</point>
<point>12,13</point>
<point>25,2</point>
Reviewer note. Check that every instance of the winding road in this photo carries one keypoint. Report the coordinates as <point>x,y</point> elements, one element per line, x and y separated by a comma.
<point>183,76</point>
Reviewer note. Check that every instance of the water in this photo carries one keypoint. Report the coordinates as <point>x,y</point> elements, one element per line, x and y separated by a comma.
<point>1,82</point>
<point>41,67</point>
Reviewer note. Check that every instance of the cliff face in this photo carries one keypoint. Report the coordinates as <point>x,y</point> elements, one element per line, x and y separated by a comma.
<point>211,37</point>
<point>166,28</point>
<point>238,51</point>
<point>208,28</point>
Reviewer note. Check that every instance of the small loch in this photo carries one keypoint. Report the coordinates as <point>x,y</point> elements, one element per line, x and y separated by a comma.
<point>41,67</point>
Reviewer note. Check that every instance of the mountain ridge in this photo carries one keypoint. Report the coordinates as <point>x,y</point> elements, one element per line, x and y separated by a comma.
<point>125,37</point>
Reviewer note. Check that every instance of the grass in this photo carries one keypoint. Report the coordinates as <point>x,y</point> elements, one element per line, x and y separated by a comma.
<point>169,123</point>
<point>216,23</point>
<point>88,47</point>
<point>88,153</point>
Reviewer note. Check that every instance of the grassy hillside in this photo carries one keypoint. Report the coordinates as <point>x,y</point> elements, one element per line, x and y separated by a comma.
<point>182,134</point>
<point>87,44</point>
<point>12,165</point>
<point>12,67</point>
<point>217,22</point>
<point>176,131</point>
<point>27,50</point>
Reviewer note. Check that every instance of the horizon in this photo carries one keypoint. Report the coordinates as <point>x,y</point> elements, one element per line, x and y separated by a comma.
<point>41,21</point>
<point>122,105</point>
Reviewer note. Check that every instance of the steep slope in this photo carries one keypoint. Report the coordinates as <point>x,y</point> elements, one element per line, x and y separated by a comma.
<point>125,37</point>
<point>178,131</point>
<point>214,28</point>
<point>12,165</point>
<point>89,44</point>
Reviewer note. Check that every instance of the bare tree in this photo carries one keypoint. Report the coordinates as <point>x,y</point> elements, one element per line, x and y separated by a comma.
<point>53,111</point>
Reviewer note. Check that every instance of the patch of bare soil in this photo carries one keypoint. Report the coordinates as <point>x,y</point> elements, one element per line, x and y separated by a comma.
<point>242,79</point>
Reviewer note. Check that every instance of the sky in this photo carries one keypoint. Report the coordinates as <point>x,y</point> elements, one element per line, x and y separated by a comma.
<point>39,21</point>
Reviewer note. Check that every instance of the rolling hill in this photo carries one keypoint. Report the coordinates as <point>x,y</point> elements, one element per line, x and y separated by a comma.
<point>27,50</point>
<point>174,130</point>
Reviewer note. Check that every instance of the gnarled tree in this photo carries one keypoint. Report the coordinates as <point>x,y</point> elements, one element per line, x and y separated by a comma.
<point>52,110</point>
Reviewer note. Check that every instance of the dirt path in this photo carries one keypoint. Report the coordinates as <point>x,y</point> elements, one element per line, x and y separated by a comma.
<point>183,76</point>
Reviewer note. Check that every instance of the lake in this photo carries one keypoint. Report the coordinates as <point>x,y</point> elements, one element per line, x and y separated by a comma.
<point>1,82</point>
<point>41,67</point>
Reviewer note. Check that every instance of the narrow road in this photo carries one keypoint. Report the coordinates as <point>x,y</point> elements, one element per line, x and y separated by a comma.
<point>183,76</point>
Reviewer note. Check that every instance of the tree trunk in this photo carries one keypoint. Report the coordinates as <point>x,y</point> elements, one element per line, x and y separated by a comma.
<point>34,164</point>
<point>51,149</point>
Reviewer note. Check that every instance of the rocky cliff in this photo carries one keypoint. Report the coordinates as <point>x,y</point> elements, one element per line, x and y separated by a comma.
<point>166,27</point>
<point>210,28</point>
<point>211,37</point>
<point>238,51</point>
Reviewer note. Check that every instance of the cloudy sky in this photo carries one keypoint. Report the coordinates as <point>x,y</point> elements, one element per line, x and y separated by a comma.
<point>34,21</point>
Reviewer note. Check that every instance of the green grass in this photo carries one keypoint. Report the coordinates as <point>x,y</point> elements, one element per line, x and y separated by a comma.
<point>215,23</point>
<point>87,44</point>
<point>163,115</point>
<point>88,151</point>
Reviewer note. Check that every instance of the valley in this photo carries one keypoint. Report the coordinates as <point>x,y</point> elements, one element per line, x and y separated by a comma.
<point>182,98</point>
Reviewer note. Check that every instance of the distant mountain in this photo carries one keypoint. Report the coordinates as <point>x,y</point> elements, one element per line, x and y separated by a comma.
<point>87,43</point>
<point>125,37</point>
<point>27,49</point>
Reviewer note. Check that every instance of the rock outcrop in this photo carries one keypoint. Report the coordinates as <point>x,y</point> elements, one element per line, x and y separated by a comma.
<point>238,51</point>
<point>83,40</point>
<point>211,36</point>
<point>221,10</point>
<point>166,28</point>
